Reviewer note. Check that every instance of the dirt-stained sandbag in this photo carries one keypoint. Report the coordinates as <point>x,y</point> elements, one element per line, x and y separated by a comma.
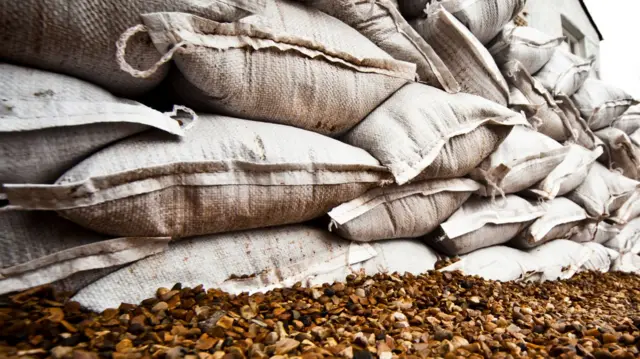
<point>79,37</point>
<point>581,134</point>
<point>49,122</point>
<point>620,152</point>
<point>602,258</point>
<point>594,231</point>
<point>444,136</point>
<point>565,72</point>
<point>562,215</point>
<point>529,46</point>
<point>628,240</point>
<point>629,122</point>
<point>601,103</point>
<point>408,211</point>
<point>226,174</point>
<point>603,191</point>
<point>295,66</point>
<point>525,158</point>
<point>469,61</point>
<point>381,22</point>
<point>42,248</point>
<point>628,211</point>
<point>482,222</point>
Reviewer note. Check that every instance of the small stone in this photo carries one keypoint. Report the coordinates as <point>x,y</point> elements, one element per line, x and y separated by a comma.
<point>160,306</point>
<point>399,317</point>
<point>347,353</point>
<point>247,313</point>
<point>609,338</point>
<point>218,355</point>
<point>401,325</point>
<point>441,335</point>
<point>124,346</point>
<point>271,338</point>
<point>602,354</point>
<point>338,287</point>
<point>320,332</point>
<point>627,339</point>
<point>360,293</point>
<point>286,345</point>
<point>225,322</point>
<point>205,342</point>
<point>176,353</point>
<point>315,294</point>
<point>59,352</point>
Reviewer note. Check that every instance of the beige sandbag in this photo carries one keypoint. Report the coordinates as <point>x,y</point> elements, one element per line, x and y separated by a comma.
<point>565,72</point>
<point>525,158</point>
<point>41,248</point>
<point>381,22</point>
<point>628,211</point>
<point>481,222</point>
<point>629,122</point>
<point>568,175</point>
<point>408,211</point>
<point>627,263</point>
<point>602,258</point>
<point>628,240</point>
<point>79,38</point>
<point>527,45</point>
<point>548,118</point>
<point>601,103</point>
<point>295,66</point>
<point>226,174</point>
<point>562,215</point>
<point>581,134</point>
<point>621,152</point>
<point>594,231</point>
<point>469,61</point>
<point>50,122</point>
<point>603,191</point>
<point>444,136</point>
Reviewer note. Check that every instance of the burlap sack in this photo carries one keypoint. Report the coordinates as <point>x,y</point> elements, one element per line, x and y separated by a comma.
<point>628,211</point>
<point>601,103</point>
<point>559,259</point>
<point>621,152</point>
<point>226,174</point>
<point>41,248</point>
<point>469,61</point>
<point>581,134</point>
<point>568,175</point>
<point>548,119</point>
<point>525,158</point>
<point>594,231</point>
<point>629,122</point>
<point>565,72</point>
<point>381,22</point>
<point>295,66</point>
<point>408,211</point>
<point>529,46</point>
<point>481,222</point>
<point>445,136</point>
<point>247,261</point>
<point>498,263</point>
<point>628,241</point>
<point>562,215</point>
<point>627,263</point>
<point>603,191</point>
<point>50,122</point>
<point>79,38</point>
<point>602,258</point>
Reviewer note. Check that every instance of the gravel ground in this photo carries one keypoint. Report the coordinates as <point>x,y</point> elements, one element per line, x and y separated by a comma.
<point>435,314</point>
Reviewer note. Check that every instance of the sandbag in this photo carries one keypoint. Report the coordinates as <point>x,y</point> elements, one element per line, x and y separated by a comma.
<point>602,258</point>
<point>581,134</point>
<point>246,261</point>
<point>629,122</point>
<point>628,211</point>
<point>381,22</point>
<point>565,72</point>
<point>547,118</point>
<point>408,211</point>
<point>603,191</point>
<point>560,218</point>
<point>295,66</point>
<point>525,158</point>
<point>527,45</point>
<point>79,38</point>
<point>445,136</point>
<point>601,103</point>
<point>559,259</point>
<point>226,174</point>
<point>481,222</point>
<point>628,263</point>
<point>41,248</point>
<point>469,61</point>
<point>628,240</point>
<point>621,152</point>
<point>51,121</point>
<point>568,175</point>
<point>498,263</point>
<point>594,231</point>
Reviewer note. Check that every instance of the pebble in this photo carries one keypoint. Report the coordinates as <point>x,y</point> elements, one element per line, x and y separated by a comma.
<point>286,345</point>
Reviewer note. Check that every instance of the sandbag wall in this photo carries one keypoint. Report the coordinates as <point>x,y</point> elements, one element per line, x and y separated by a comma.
<point>415,137</point>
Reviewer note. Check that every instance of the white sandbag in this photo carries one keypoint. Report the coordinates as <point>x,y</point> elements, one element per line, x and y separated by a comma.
<point>628,241</point>
<point>496,263</point>
<point>408,211</point>
<point>565,72</point>
<point>568,175</point>
<point>629,122</point>
<point>602,258</point>
<point>525,158</point>
<point>41,248</point>
<point>581,134</point>
<point>469,61</point>
<point>226,174</point>
<point>628,211</point>
<point>547,118</point>
<point>295,66</point>
<point>381,22</point>
<point>603,191</point>
<point>559,259</point>
<point>627,263</point>
<point>50,122</point>
<point>445,136</point>
<point>527,45</point>
<point>247,261</point>
<point>594,231</point>
<point>481,222</point>
<point>398,255</point>
<point>621,152</point>
<point>79,38</point>
<point>561,216</point>
<point>601,103</point>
